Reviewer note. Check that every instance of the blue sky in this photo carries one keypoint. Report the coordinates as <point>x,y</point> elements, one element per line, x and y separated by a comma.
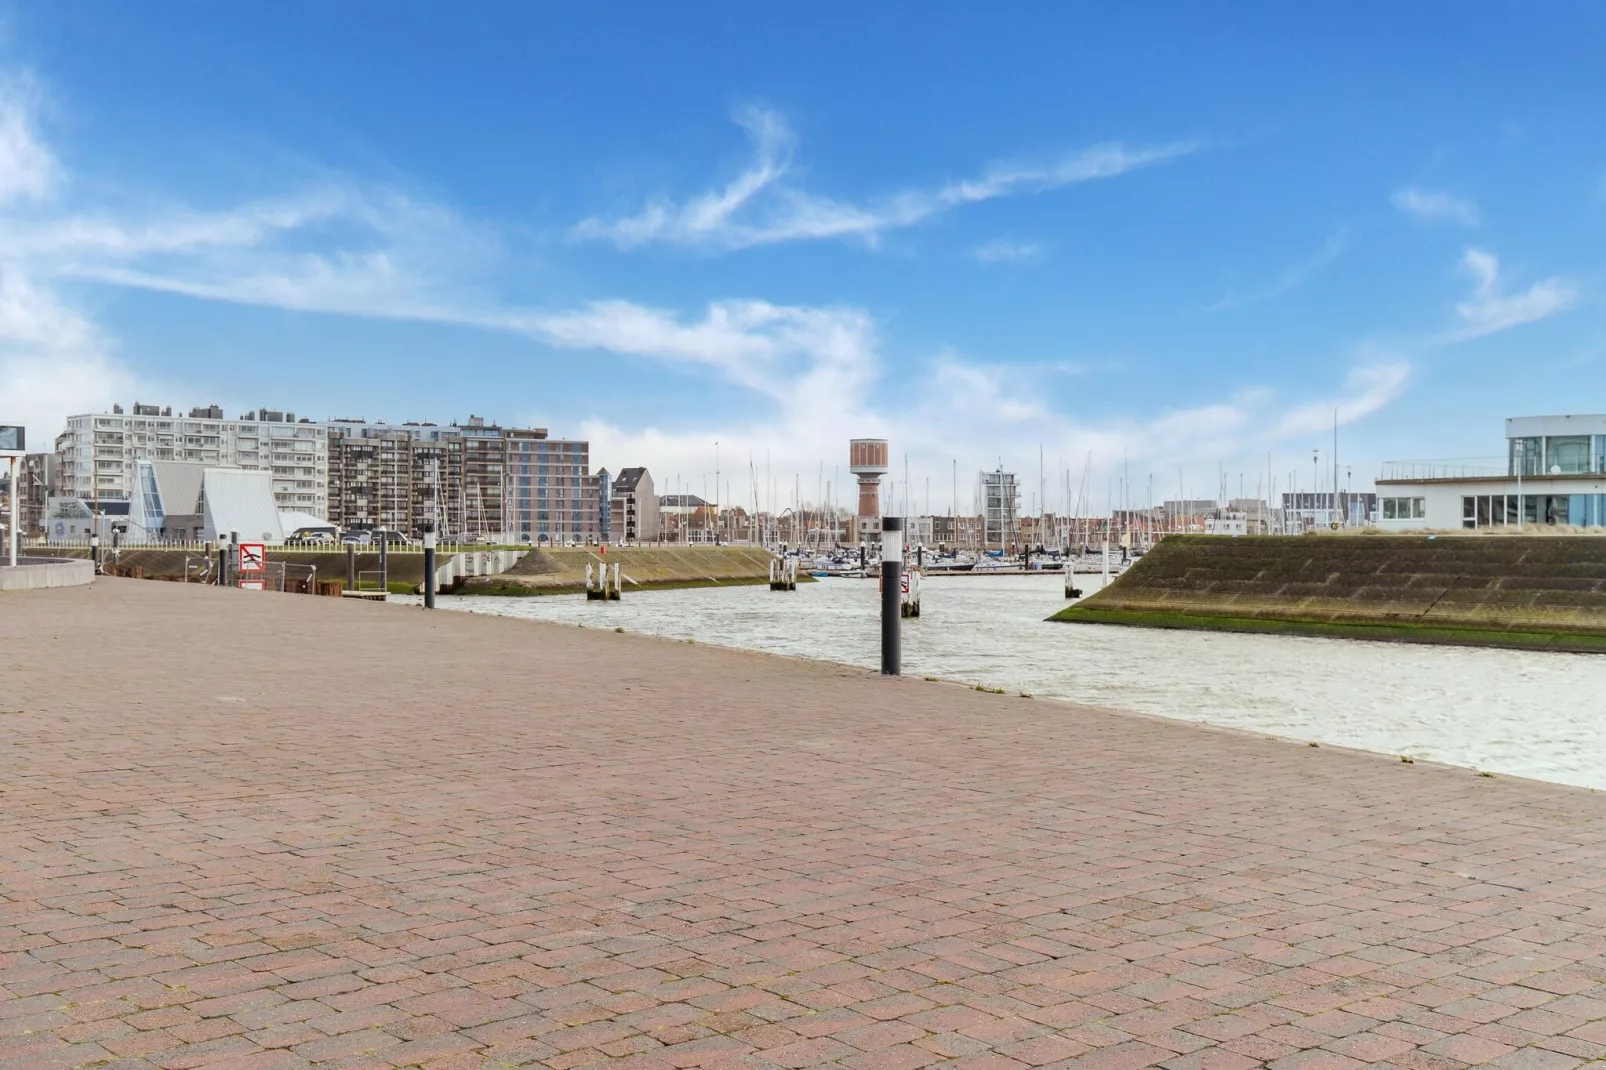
<point>1161,240</point>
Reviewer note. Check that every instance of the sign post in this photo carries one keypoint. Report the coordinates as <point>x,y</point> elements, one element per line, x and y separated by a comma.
<point>252,565</point>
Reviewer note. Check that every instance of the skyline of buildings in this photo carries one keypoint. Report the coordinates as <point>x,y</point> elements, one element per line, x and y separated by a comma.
<point>480,481</point>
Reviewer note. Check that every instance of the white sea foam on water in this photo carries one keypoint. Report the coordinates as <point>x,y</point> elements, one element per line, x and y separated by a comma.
<point>1516,712</point>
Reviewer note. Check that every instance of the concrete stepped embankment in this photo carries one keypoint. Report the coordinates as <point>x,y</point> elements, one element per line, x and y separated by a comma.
<point>1544,592</point>
<point>562,570</point>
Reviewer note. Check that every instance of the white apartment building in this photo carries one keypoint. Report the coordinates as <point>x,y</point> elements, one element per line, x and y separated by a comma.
<point>96,454</point>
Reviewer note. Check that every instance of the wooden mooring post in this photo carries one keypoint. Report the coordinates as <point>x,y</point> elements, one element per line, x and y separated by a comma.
<point>603,585</point>
<point>783,573</point>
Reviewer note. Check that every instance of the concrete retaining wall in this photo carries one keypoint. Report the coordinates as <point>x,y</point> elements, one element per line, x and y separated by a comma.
<point>35,572</point>
<point>562,569</point>
<point>475,563</point>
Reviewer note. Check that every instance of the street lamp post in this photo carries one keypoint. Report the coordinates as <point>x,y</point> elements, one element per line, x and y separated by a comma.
<point>1315,485</point>
<point>1522,506</point>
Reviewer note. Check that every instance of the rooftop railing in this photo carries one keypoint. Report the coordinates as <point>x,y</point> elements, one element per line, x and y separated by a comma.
<point>1445,468</point>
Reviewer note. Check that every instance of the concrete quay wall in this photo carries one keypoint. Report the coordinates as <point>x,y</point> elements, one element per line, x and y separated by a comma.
<point>33,573</point>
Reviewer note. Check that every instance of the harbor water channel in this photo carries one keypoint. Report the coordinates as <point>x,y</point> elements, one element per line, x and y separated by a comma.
<point>1504,711</point>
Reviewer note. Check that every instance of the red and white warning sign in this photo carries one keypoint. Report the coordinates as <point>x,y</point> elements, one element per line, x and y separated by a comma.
<point>253,557</point>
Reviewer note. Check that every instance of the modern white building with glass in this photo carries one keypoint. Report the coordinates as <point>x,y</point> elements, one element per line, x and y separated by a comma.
<point>1555,473</point>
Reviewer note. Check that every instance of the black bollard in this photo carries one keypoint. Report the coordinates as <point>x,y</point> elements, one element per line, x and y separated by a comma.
<point>351,566</point>
<point>222,564</point>
<point>94,548</point>
<point>429,564</point>
<point>384,563</point>
<point>891,595</point>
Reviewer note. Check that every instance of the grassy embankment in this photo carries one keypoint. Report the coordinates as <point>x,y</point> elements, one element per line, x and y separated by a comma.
<point>1544,593</point>
<point>562,570</point>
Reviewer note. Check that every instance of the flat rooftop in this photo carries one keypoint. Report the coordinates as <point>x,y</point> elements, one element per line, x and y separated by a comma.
<point>1548,477</point>
<point>383,837</point>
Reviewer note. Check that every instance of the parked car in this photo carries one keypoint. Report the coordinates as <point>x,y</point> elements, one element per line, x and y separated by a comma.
<point>390,536</point>
<point>356,538</point>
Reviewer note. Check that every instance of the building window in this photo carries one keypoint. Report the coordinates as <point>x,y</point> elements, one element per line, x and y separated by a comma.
<point>1527,456</point>
<point>1569,453</point>
<point>1404,508</point>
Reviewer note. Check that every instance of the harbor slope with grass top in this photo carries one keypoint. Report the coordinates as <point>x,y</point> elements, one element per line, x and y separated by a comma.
<point>1529,592</point>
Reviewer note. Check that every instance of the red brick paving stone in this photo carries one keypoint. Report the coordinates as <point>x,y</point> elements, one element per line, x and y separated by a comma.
<point>466,844</point>
<point>1369,1047</point>
<point>1536,1059</point>
<point>1211,1059</point>
<point>1316,1060</point>
<point>1040,1051</point>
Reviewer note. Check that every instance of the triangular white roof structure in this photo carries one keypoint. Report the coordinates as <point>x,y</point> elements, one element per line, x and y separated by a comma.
<point>240,501</point>
<point>180,485</point>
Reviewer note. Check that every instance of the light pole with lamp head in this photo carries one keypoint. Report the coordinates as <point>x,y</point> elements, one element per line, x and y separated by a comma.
<point>1522,506</point>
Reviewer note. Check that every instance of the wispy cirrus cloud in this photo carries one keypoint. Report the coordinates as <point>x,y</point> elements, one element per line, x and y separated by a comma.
<point>1368,387</point>
<point>1290,279</point>
<point>1435,206</point>
<point>760,206</point>
<point>1005,251</point>
<point>1489,309</point>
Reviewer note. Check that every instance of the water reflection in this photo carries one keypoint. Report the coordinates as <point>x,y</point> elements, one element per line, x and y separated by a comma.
<point>1505,711</point>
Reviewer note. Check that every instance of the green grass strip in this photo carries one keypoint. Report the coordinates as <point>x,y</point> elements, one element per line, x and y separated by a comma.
<point>1398,632</point>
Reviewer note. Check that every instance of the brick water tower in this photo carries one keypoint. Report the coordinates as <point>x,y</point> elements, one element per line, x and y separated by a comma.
<point>867,459</point>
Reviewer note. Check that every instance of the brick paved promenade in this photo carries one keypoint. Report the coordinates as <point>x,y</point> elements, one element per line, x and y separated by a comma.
<point>269,831</point>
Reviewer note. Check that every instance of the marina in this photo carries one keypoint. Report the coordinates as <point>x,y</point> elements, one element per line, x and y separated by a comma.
<point>1507,712</point>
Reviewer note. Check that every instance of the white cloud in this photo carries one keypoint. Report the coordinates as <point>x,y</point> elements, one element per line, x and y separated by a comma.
<point>1488,310</point>
<point>27,168</point>
<point>962,417</point>
<point>782,352</point>
<point>814,374</point>
<point>1291,279</point>
<point>1368,388</point>
<point>759,207</point>
<point>52,361</point>
<point>1432,206</point>
<point>1004,251</point>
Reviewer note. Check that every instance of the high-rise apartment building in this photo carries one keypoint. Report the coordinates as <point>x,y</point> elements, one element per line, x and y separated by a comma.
<point>999,494</point>
<point>97,452</point>
<point>475,480</point>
